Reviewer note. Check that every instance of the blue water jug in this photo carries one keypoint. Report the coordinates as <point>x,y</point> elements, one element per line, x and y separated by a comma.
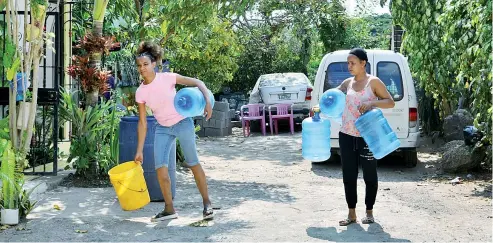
<point>20,87</point>
<point>377,133</point>
<point>332,103</point>
<point>315,137</point>
<point>190,102</point>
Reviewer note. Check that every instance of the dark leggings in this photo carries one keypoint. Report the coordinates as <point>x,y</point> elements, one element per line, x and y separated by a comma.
<point>355,152</point>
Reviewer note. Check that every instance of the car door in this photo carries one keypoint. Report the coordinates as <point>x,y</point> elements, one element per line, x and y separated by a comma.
<point>389,68</point>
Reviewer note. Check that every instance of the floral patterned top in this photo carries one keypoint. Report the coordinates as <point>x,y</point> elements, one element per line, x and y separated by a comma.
<point>351,112</point>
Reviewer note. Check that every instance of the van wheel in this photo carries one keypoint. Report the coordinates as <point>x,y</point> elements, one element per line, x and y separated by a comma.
<point>411,158</point>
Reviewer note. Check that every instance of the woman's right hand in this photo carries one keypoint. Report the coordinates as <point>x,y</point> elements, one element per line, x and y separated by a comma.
<point>139,158</point>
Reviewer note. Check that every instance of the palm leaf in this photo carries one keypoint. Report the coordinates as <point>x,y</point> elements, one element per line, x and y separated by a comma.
<point>9,188</point>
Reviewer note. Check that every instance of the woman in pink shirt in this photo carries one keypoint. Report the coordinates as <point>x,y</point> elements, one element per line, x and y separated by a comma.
<point>363,93</point>
<point>157,92</point>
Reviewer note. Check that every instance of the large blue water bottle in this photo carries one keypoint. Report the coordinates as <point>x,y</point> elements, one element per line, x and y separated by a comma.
<point>20,88</point>
<point>377,133</point>
<point>315,137</point>
<point>332,103</point>
<point>190,102</point>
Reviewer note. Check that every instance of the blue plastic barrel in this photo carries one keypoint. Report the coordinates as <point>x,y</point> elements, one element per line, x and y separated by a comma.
<point>377,133</point>
<point>332,103</point>
<point>128,145</point>
<point>315,137</point>
<point>190,102</point>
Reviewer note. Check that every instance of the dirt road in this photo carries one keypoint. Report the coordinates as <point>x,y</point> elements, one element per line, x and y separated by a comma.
<point>267,192</point>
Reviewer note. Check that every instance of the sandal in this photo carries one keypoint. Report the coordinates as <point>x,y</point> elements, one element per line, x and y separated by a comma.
<point>347,222</point>
<point>368,220</point>
<point>208,213</point>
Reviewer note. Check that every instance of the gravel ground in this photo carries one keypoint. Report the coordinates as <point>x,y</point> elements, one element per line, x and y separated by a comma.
<point>267,192</point>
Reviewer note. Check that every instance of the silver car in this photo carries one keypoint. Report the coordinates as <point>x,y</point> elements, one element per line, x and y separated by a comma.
<point>284,88</point>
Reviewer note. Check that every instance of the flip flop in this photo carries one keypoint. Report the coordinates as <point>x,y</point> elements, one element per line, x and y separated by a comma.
<point>208,213</point>
<point>368,220</point>
<point>347,222</point>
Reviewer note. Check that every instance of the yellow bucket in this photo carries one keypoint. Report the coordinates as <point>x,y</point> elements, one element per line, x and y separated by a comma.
<point>130,186</point>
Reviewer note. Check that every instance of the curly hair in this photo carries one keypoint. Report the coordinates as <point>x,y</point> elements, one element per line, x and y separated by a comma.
<point>151,50</point>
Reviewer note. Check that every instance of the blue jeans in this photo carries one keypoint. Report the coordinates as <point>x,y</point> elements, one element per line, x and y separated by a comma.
<point>164,138</point>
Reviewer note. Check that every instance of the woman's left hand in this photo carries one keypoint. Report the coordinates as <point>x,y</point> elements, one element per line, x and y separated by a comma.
<point>208,111</point>
<point>365,106</point>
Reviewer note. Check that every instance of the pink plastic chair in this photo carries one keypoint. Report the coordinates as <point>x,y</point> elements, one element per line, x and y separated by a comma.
<point>255,112</point>
<point>282,113</point>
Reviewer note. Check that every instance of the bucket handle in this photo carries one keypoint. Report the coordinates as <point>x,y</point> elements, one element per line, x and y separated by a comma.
<point>141,190</point>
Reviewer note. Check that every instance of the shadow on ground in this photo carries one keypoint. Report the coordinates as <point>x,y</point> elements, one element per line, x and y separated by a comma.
<point>228,194</point>
<point>483,190</point>
<point>353,233</point>
<point>283,149</point>
<point>95,214</point>
<point>390,169</point>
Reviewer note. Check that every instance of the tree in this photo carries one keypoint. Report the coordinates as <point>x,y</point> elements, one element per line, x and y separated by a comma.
<point>277,36</point>
<point>255,59</point>
<point>369,32</point>
<point>23,58</point>
<point>449,48</point>
<point>210,54</point>
<point>333,27</point>
<point>180,27</point>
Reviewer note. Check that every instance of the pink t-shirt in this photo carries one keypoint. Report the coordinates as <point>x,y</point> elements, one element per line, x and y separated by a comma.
<point>159,97</point>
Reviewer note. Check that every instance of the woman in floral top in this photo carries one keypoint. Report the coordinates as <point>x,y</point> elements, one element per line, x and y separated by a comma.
<point>363,92</point>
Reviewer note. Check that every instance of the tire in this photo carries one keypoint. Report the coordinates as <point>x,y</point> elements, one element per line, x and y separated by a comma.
<point>410,158</point>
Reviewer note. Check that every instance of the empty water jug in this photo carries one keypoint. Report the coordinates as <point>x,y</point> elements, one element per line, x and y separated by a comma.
<point>332,103</point>
<point>315,137</point>
<point>377,133</point>
<point>190,102</point>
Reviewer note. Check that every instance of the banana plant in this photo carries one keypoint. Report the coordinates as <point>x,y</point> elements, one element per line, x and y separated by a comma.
<point>10,188</point>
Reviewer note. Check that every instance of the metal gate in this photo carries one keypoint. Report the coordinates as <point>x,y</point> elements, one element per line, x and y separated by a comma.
<point>43,155</point>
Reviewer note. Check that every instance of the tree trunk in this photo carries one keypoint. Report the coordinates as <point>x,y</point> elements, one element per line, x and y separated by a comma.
<point>446,108</point>
<point>305,51</point>
<point>95,62</point>
<point>92,98</point>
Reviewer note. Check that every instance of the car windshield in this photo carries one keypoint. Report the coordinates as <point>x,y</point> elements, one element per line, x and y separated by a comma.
<point>338,72</point>
<point>388,72</point>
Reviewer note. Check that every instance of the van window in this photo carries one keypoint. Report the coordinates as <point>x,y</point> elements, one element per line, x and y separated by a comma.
<point>338,72</point>
<point>390,74</point>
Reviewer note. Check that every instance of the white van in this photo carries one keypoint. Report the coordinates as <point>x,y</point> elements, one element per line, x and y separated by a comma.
<point>393,69</point>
